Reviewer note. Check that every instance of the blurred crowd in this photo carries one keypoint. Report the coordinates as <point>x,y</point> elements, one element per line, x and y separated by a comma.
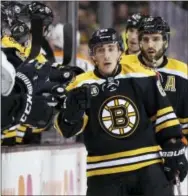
<point>88,20</point>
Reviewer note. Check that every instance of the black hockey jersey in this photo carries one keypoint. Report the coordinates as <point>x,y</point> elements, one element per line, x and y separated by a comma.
<point>16,53</point>
<point>174,79</point>
<point>118,131</point>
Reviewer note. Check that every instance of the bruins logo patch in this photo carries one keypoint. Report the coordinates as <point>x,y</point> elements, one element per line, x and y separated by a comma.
<point>119,116</point>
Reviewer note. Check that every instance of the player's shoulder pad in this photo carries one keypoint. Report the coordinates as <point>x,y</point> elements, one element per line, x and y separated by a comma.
<point>40,58</point>
<point>131,58</point>
<point>84,78</point>
<point>177,67</point>
<point>9,42</point>
<point>132,67</point>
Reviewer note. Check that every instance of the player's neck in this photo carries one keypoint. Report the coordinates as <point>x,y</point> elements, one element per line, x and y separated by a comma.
<point>151,64</point>
<point>132,52</point>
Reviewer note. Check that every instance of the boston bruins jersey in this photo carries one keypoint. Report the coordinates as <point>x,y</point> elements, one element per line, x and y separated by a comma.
<point>117,128</point>
<point>174,79</point>
<point>16,53</point>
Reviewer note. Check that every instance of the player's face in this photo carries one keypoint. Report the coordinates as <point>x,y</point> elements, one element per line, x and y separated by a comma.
<point>106,57</point>
<point>132,40</point>
<point>152,46</point>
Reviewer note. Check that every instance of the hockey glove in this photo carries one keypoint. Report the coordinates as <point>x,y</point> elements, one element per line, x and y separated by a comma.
<point>175,160</point>
<point>75,104</point>
<point>64,74</point>
<point>30,108</point>
<point>53,92</point>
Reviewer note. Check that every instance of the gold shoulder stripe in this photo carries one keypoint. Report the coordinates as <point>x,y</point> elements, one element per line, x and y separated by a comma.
<point>176,68</point>
<point>131,65</point>
<point>9,42</point>
<point>177,65</point>
<point>88,77</point>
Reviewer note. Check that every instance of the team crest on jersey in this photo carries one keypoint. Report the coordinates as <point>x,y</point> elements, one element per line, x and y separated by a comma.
<point>94,90</point>
<point>119,116</point>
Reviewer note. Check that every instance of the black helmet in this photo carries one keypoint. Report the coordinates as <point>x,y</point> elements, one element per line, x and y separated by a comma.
<point>20,31</point>
<point>4,20</point>
<point>134,21</point>
<point>16,9</point>
<point>37,9</point>
<point>105,36</point>
<point>154,25</point>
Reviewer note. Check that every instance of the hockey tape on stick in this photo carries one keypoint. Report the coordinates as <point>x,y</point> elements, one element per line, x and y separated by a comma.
<point>68,42</point>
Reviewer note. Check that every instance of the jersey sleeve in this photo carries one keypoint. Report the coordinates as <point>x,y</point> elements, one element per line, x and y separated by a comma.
<point>64,128</point>
<point>161,113</point>
<point>182,111</point>
<point>68,130</point>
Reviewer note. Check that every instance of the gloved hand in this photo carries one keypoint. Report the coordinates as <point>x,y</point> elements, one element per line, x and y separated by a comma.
<point>76,103</point>
<point>29,108</point>
<point>63,74</point>
<point>34,110</point>
<point>175,161</point>
<point>53,92</point>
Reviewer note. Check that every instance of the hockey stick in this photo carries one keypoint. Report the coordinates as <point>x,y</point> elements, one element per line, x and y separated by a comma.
<point>68,44</point>
<point>178,185</point>
<point>37,37</point>
<point>49,52</point>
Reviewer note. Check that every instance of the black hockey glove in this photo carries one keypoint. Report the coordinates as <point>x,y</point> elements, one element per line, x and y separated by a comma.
<point>53,92</point>
<point>175,160</point>
<point>30,108</point>
<point>33,110</point>
<point>63,74</point>
<point>75,104</point>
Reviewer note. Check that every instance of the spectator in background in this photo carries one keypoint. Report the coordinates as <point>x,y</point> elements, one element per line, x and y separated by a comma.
<point>59,10</point>
<point>121,12</point>
<point>56,41</point>
<point>83,22</point>
<point>120,17</point>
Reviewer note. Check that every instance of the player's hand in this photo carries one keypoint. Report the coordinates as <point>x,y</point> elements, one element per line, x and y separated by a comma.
<point>63,74</point>
<point>175,160</point>
<point>34,110</point>
<point>76,103</point>
<point>53,92</point>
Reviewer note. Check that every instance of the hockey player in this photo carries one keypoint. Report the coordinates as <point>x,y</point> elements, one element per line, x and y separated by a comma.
<point>154,37</point>
<point>112,106</point>
<point>8,76</point>
<point>20,105</point>
<point>43,75</point>
<point>16,36</point>
<point>131,36</point>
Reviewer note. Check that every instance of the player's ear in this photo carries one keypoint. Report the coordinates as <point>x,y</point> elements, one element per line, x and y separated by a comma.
<point>166,44</point>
